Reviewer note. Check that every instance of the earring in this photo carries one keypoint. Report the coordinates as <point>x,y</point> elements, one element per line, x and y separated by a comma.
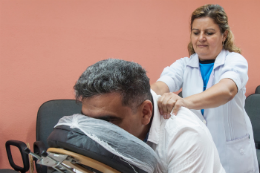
<point>223,44</point>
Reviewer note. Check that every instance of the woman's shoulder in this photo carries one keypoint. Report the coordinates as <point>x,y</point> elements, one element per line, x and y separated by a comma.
<point>181,62</point>
<point>193,60</point>
<point>187,59</point>
<point>234,57</point>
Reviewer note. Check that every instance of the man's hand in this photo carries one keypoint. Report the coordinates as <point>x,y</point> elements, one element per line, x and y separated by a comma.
<point>170,102</point>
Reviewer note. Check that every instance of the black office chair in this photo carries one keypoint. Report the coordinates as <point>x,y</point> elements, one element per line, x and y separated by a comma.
<point>257,90</point>
<point>48,116</point>
<point>253,110</point>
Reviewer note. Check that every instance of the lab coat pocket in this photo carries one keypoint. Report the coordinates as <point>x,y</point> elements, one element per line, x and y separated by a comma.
<point>240,155</point>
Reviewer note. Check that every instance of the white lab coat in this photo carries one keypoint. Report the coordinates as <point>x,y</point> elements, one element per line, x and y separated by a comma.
<point>229,124</point>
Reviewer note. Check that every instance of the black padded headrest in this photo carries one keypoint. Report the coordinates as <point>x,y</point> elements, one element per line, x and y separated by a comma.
<point>74,140</point>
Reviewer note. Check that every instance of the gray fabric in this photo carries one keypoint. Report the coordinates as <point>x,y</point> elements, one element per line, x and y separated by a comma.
<point>8,171</point>
<point>49,114</point>
<point>180,94</point>
<point>252,106</point>
<point>257,90</point>
<point>258,156</point>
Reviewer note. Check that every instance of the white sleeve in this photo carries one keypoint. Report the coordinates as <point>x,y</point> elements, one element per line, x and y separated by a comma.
<point>173,75</point>
<point>193,151</point>
<point>235,68</point>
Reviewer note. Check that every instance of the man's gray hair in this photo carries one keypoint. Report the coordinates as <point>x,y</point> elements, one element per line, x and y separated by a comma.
<point>114,75</point>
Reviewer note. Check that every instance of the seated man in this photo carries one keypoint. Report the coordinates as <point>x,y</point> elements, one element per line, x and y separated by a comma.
<point>119,92</point>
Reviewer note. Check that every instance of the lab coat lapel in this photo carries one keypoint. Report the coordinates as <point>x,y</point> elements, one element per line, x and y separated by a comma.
<point>194,61</point>
<point>193,76</point>
<point>220,60</point>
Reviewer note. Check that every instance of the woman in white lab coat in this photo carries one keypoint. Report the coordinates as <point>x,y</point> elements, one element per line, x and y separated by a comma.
<point>213,81</point>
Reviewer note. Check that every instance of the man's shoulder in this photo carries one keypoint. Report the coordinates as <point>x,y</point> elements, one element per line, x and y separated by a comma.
<point>185,122</point>
<point>185,134</point>
<point>188,144</point>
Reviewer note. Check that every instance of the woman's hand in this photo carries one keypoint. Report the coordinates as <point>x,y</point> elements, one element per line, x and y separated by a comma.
<point>170,102</point>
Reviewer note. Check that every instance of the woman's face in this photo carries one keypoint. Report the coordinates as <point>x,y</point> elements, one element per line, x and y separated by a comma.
<point>206,38</point>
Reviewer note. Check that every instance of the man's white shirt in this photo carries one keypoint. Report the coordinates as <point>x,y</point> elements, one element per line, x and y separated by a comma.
<point>183,143</point>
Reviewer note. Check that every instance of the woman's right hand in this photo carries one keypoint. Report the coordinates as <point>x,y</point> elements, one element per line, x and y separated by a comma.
<point>170,102</point>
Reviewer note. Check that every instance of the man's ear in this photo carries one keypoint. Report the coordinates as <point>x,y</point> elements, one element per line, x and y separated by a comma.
<point>147,111</point>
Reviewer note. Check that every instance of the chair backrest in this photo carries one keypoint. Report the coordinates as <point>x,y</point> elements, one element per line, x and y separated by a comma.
<point>252,106</point>
<point>257,90</point>
<point>49,114</point>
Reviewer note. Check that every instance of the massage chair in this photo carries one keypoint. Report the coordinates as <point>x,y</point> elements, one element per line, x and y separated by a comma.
<point>78,143</point>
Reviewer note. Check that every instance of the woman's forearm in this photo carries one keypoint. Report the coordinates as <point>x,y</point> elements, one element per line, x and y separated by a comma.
<point>215,96</point>
<point>160,88</point>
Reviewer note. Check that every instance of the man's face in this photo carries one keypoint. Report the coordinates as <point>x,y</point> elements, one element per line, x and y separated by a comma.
<point>109,107</point>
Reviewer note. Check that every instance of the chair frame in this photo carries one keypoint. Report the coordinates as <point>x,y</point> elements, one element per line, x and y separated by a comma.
<point>83,160</point>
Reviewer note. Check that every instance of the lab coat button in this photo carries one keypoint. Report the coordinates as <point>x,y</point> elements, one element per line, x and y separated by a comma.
<point>204,121</point>
<point>242,151</point>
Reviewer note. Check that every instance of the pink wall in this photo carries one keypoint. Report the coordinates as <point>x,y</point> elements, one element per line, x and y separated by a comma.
<point>46,45</point>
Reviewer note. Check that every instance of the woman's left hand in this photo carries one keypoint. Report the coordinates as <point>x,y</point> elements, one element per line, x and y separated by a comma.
<point>170,102</point>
